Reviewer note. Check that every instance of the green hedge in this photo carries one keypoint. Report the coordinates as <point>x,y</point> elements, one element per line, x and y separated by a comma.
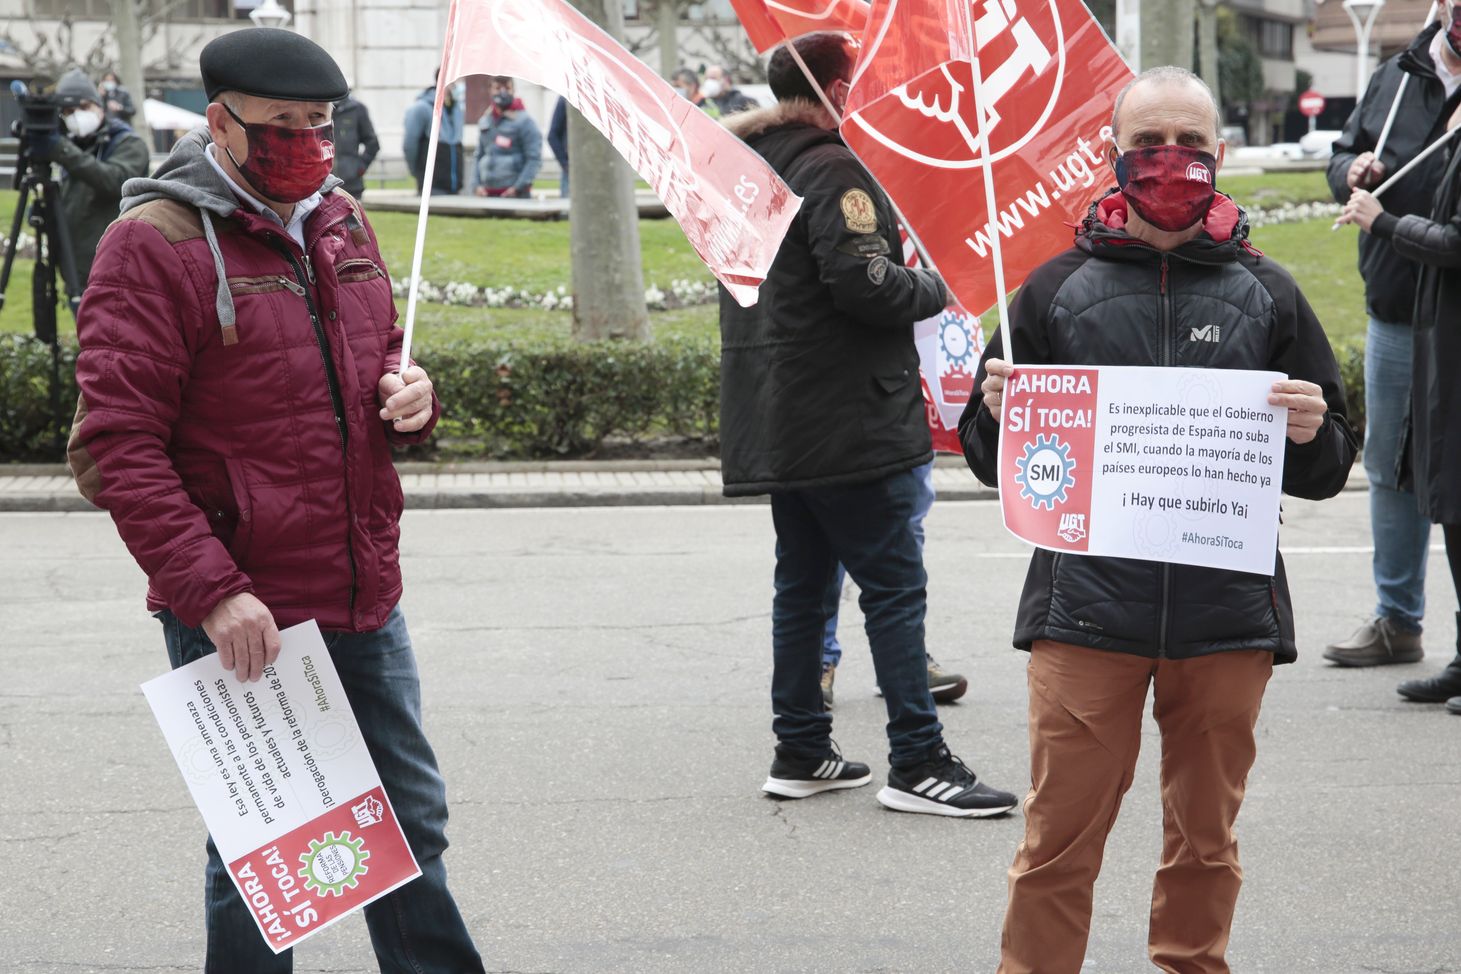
<point>27,431</point>
<point>502,399</point>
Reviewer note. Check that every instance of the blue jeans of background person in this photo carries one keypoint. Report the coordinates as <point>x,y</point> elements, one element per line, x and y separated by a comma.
<point>831,648</point>
<point>869,529</point>
<point>417,928</point>
<point>563,184</point>
<point>1401,534</point>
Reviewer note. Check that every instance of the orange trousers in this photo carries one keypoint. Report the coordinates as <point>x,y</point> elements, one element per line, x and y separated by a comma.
<point>1086,709</point>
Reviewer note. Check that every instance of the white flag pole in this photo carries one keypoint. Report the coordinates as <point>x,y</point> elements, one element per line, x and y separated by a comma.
<point>414,288</point>
<point>989,200</point>
<point>1399,94</point>
<point>415,280</point>
<point>1394,110</point>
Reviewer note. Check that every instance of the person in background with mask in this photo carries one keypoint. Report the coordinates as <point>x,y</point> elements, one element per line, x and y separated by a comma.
<point>98,154</point>
<point>241,391</point>
<point>1163,248</point>
<point>449,176</point>
<point>118,100</point>
<point>728,98</point>
<point>355,144</point>
<point>509,148</point>
<point>687,83</point>
<point>1401,532</point>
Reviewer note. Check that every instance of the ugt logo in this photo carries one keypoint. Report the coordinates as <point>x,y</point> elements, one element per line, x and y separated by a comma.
<point>1072,527</point>
<point>1021,47</point>
<point>1198,173</point>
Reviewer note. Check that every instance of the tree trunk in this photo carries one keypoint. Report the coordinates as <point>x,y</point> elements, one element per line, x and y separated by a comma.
<point>1166,32</point>
<point>1207,53</point>
<point>667,20</point>
<point>608,278</point>
<point>129,63</point>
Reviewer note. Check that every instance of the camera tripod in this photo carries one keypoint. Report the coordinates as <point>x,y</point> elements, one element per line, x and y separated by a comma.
<point>40,206</point>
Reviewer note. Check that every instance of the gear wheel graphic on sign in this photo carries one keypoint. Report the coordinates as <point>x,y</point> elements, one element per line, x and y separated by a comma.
<point>333,864</point>
<point>954,339</point>
<point>1044,472</point>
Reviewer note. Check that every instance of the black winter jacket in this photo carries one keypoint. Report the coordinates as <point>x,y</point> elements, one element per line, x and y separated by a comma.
<point>1113,300</point>
<point>1435,408</point>
<point>1389,277</point>
<point>819,379</point>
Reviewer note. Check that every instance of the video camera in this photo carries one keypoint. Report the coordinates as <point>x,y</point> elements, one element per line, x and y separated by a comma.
<point>40,115</point>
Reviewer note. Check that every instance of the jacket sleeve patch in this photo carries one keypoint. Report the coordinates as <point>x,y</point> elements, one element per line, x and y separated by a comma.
<point>877,270</point>
<point>866,245</point>
<point>858,212</point>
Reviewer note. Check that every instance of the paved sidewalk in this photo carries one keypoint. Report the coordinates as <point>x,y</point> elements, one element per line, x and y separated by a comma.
<point>586,483</point>
<point>561,483</point>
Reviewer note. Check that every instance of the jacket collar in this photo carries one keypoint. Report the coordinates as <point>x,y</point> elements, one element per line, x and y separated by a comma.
<point>1416,59</point>
<point>1224,233</point>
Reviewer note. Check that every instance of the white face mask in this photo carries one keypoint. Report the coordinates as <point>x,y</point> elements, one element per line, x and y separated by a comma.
<point>712,87</point>
<point>82,123</point>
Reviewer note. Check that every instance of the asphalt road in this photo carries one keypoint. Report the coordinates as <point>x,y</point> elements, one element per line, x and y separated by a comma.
<point>596,684</point>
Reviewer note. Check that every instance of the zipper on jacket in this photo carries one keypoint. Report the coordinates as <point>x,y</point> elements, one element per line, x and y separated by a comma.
<point>332,383</point>
<point>1167,340</point>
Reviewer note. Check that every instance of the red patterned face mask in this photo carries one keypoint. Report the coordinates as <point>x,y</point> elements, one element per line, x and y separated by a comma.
<point>1169,186</point>
<point>286,165</point>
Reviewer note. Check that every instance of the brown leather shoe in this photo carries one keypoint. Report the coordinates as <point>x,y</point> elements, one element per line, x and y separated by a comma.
<point>1378,642</point>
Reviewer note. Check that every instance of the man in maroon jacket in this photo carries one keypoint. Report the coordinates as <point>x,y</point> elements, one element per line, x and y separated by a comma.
<point>241,388</point>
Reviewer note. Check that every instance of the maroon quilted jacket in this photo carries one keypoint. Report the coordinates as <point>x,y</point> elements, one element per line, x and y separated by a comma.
<point>228,418</point>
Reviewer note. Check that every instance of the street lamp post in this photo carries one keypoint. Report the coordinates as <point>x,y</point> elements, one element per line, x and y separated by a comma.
<point>270,14</point>
<point>1362,14</point>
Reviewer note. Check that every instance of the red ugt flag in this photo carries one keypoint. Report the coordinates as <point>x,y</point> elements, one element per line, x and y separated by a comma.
<point>769,23</point>
<point>1050,79</point>
<point>733,207</point>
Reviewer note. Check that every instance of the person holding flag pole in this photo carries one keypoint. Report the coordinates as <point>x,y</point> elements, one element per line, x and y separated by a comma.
<point>1402,114</point>
<point>1434,243</point>
<point>1160,251</point>
<point>945,685</point>
<point>822,409</point>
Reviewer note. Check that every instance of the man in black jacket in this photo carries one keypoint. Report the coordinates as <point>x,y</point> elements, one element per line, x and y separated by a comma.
<point>1401,533</point>
<point>1152,262</point>
<point>356,145</point>
<point>821,408</point>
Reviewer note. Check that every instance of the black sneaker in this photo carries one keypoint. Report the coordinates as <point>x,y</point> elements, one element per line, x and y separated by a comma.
<point>943,785</point>
<point>798,777</point>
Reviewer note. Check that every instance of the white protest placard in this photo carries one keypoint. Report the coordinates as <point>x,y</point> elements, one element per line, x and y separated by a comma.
<point>1161,464</point>
<point>286,786</point>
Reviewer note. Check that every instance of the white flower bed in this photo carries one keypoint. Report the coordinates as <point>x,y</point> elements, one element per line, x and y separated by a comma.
<point>1292,213</point>
<point>681,294</point>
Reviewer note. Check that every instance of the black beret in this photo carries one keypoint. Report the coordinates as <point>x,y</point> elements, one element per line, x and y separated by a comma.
<point>270,62</point>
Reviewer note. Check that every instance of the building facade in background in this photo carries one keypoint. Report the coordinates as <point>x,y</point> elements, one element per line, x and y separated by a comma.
<point>387,48</point>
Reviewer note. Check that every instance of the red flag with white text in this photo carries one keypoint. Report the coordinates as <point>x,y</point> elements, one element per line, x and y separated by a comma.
<point>1050,79</point>
<point>733,207</point>
<point>769,23</point>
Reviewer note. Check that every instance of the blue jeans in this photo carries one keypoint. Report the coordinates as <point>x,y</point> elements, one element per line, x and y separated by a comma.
<point>831,648</point>
<point>869,529</point>
<point>417,928</point>
<point>1401,534</point>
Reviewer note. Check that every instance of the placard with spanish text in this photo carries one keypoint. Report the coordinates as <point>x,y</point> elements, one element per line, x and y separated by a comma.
<point>1160,464</point>
<point>286,786</point>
